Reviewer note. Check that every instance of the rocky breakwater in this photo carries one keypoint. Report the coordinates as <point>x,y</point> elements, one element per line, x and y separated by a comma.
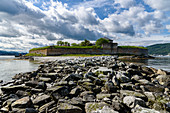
<point>87,85</point>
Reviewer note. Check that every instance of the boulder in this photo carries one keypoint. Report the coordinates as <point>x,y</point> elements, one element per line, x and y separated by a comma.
<point>150,96</point>
<point>46,106</point>
<point>163,79</point>
<point>102,96</point>
<point>68,108</point>
<point>13,89</point>
<point>39,100</point>
<point>22,103</point>
<point>122,77</point>
<point>132,101</point>
<point>132,93</point>
<point>109,86</point>
<point>91,107</point>
<point>139,109</point>
<point>105,109</point>
<point>161,72</point>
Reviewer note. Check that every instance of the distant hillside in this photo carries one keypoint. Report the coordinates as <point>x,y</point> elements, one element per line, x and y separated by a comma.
<point>159,49</point>
<point>9,53</point>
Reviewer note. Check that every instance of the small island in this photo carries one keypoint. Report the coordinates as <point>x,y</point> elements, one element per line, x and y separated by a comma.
<point>102,46</point>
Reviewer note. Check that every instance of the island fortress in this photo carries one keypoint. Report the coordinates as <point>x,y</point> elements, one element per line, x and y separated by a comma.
<point>107,48</point>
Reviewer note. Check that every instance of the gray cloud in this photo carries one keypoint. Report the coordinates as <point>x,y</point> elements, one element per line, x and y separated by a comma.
<point>29,24</point>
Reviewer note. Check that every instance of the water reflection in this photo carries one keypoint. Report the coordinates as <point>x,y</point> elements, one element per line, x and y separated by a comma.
<point>158,62</point>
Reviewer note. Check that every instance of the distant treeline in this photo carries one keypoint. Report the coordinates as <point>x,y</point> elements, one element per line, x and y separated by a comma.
<point>159,49</point>
<point>10,53</point>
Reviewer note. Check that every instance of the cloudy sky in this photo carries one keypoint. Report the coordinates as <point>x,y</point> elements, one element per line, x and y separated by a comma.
<point>25,24</point>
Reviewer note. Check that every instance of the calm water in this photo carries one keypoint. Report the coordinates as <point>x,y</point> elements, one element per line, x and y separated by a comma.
<point>10,67</point>
<point>158,63</point>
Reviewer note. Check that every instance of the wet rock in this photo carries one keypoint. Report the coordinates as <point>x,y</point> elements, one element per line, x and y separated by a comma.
<point>22,103</point>
<point>68,108</point>
<point>132,101</point>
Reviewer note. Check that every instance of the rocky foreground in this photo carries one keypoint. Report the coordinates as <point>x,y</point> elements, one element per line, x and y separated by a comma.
<point>87,85</point>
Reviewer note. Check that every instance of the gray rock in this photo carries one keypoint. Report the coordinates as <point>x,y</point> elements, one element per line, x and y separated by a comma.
<point>75,92</point>
<point>104,70</point>
<point>22,103</point>
<point>154,88</point>
<point>132,93</point>
<point>86,93</point>
<point>30,110</point>
<point>132,101</point>
<point>161,72</point>
<point>31,83</point>
<point>126,86</point>
<point>44,79</point>
<point>13,89</point>
<point>109,86</point>
<point>122,77</point>
<point>115,81</point>
<point>68,108</point>
<point>136,77</point>
<point>39,100</point>
<point>105,109</point>
<point>102,96</point>
<point>150,96</point>
<point>144,81</point>
<point>163,79</point>
<point>89,98</point>
<point>139,109</point>
<point>91,107</point>
<point>46,106</point>
<point>21,93</point>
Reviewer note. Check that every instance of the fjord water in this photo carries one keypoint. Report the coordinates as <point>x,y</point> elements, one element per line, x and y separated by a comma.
<point>9,67</point>
<point>160,62</point>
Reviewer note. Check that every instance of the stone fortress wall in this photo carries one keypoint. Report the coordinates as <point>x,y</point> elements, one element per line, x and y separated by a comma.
<point>111,49</point>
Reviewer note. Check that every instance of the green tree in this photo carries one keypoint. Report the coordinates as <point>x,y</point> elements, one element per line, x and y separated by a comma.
<point>74,44</point>
<point>85,43</point>
<point>65,43</point>
<point>59,43</point>
<point>101,41</point>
